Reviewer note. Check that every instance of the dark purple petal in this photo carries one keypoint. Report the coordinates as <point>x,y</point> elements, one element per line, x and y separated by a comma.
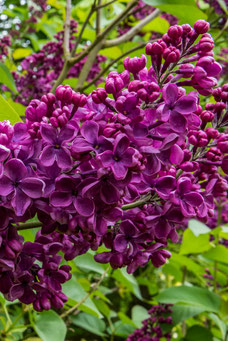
<point>4,153</point>
<point>84,206</point>
<point>128,228</point>
<point>48,133</point>
<point>186,104</point>
<point>109,193</point>
<point>184,185</point>
<point>178,122</point>
<point>20,202</point>
<point>47,156</point>
<point>107,158</point>
<point>16,291</point>
<point>32,187</point>
<point>61,199</point>
<point>120,243</point>
<point>89,131</point>
<point>176,155</point>
<point>165,185</point>
<point>170,94</point>
<point>63,158</point>
<point>119,170</point>
<point>6,186</point>
<point>121,144</point>
<point>193,198</point>
<point>15,170</point>
<point>66,134</point>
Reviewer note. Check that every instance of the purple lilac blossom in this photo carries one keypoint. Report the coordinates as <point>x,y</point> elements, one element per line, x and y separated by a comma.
<point>125,167</point>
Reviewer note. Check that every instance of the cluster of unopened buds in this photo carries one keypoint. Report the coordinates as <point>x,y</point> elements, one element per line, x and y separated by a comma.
<point>123,167</point>
<point>152,327</point>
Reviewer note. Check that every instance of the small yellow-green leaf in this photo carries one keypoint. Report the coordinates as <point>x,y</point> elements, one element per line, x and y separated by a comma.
<point>113,52</point>
<point>7,112</point>
<point>158,25</point>
<point>193,244</point>
<point>21,53</point>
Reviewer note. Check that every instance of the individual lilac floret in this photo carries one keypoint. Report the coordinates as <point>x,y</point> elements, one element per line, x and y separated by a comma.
<point>56,146</point>
<point>120,159</point>
<point>21,188</point>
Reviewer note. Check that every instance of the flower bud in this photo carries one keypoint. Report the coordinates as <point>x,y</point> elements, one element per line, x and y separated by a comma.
<point>201,26</point>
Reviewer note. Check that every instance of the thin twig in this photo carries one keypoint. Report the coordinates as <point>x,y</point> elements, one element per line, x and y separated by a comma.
<point>104,5</point>
<point>133,31</point>
<point>103,71</point>
<point>93,288</point>
<point>98,18</point>
<point>26,226</point>
<point>66,39</point>
<point>93,8</point>
<point>104,33</point>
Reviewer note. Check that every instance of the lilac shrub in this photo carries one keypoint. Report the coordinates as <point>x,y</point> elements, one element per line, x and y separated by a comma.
<point>124,167</point>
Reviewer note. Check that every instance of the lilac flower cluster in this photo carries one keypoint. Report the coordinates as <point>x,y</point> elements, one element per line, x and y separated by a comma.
<point>123,167</point>
<point>36,10</point>
<point>41,69</point>
<point>152,327</point>
<point>5,43</point>
<point>218,9</point>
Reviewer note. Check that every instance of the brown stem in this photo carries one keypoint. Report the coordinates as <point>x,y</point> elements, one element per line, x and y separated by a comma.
<point>66,39</point>
<point>133,31</point>
<point>104,33</point>
<point>87,66</point>
<point>27,226</point>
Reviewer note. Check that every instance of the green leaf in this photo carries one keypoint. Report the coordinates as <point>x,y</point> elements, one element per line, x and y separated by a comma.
<point>139,314</point>
<point>182,312</point>
<point>102,306</point>
<point>189,263</point>
<point>222,325</point>
<point>87,263</point>
<point>219,253</point>
<point>21,53</point>
<point>122,329</point>
<point>185,11</point>
<point>112,52</point>
<point>6,78</point>
<point>157,25</point>
<point>125,319</point>
<point>91,323</point>
<point>194,296</point>
<point>193,244</point>
<point>7,112</point>
<point>129,281</point>
<point>75,292</point>
<point>70,81</point>
<point>18,107</point>
<point>50,327</point>
<point>198,332</point>
<point>197,227</point>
